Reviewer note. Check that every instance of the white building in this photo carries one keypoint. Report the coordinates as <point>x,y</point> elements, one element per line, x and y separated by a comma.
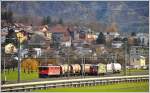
<point>138,62</point>
<point>66,43</point>
<point>117,44</point>
<point>38,51</point>
<point>137,56</point>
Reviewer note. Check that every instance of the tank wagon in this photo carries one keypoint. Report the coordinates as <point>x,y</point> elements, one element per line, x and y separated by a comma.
<point>85,68</point>
<point>65,68</point>
<point>113,68</point>
<point>75,69</point>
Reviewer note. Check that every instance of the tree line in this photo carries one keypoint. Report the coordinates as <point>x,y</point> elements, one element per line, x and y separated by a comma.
<point>47,20</point>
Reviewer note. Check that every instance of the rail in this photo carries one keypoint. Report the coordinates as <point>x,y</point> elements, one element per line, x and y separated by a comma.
<point>71,83</point>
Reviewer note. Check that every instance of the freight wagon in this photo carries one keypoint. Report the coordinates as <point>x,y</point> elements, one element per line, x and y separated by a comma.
<point>98,69</point>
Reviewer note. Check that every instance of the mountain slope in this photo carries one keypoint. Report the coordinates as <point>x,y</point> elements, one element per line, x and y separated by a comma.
<point>129,16</point>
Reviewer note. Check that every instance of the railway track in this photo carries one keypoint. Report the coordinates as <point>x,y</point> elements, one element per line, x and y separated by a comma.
<point>71,83</point>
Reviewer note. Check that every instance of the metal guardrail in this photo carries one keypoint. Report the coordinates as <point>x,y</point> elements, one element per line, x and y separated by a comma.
<point>71,83</point>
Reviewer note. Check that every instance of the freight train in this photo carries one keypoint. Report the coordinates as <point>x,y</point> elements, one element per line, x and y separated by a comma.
<point>78,69</point>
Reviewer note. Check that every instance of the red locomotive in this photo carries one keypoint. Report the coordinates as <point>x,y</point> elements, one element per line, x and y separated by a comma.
<point>46,71</point>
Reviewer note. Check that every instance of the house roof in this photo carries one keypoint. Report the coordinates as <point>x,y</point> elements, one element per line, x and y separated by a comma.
<point>59,29</point>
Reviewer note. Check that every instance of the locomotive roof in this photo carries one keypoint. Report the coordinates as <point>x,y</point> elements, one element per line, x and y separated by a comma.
<point>49,66</point>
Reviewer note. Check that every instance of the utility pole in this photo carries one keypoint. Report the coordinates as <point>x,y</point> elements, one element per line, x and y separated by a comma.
<point>125,55</point>
<point>129,61</point>
<point>4,69</point>
<point>82,66</point>
<point>68,61</point>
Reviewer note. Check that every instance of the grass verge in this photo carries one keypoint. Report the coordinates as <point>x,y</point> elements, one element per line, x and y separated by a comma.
<point>13,75</point>
<point>122,87</point>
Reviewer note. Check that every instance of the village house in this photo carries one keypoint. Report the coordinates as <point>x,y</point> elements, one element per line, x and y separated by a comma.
<point>90,37</point>
<point>139,51</point>
<point>117,43</point>
<point>99,49</point>
<point>137,55</point>
<point>138,62</point>
<point>60,35</point>
<point>77,43</point>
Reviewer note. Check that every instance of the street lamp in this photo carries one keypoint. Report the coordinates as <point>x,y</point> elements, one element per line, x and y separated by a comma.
<point>125,55</point>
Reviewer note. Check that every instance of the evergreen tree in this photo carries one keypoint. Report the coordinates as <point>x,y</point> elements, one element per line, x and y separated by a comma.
<point>60,21</point>
<point>11,38</point>
<point>133,34</point>
<point>9,16</point>
<point>48,20</point>
<point>101,39</point>
<point>3,15</point>
<point>44,21</point>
